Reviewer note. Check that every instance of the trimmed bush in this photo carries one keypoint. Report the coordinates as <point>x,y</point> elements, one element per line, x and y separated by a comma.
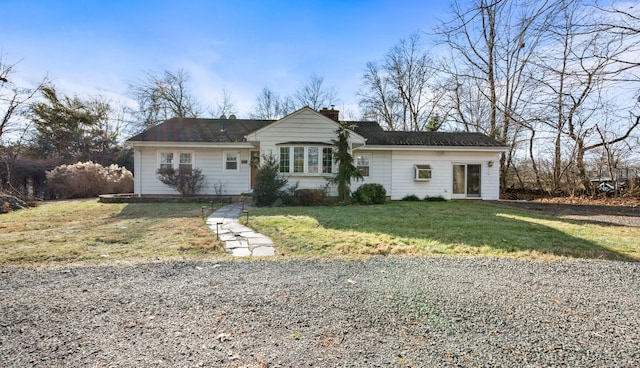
<point>411,198</point>
<point>88,179</point>
<point>370,193</point>
<point>310,197</point>
<point>435,199</point>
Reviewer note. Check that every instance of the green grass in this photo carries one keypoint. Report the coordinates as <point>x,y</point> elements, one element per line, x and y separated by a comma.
<point>458,228</point>
<point>85,231</point>
<point>88,232</point>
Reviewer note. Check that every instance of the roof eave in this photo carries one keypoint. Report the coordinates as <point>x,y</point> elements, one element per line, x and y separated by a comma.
<point>389,147</point>
<point>192,144</point>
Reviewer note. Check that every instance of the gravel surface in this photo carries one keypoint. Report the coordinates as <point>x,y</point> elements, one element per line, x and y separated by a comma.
<point>383,312</point>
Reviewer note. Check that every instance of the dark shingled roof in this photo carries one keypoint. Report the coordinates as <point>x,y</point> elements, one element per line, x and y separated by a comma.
<point>376,136</point>
<point>234,130</point>
<point>201,130</point>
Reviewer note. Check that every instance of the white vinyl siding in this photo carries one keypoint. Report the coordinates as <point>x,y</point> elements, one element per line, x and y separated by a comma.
<point>441,182</point>
<point>210,161</point>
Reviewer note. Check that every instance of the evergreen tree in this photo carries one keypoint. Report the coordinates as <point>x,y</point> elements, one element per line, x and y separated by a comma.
<point>346,169</point>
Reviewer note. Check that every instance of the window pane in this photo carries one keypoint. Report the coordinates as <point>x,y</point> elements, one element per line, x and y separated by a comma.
<point>185,158</point>
<point>473,180</point>
<point>166,160</point>
<point>284,159</point>
<point>312,160</point>
<point>424,173</point>
<point>362,162</point>
<point>231,161</point>
<point>298,159</point>
<point>327,160</point>
<point>458,179</point>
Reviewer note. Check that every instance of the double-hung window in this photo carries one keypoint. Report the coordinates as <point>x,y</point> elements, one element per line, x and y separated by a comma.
<point>186,165</point>
<point>362,163</point>
<point>231,161</point>
<point>176,160</point>
<point>166,160</point>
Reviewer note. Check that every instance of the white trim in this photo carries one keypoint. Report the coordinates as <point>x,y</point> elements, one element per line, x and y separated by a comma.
<point>175,163</point>
<point>224,160</point>
<point>160,145</point>
<point>433,148</point>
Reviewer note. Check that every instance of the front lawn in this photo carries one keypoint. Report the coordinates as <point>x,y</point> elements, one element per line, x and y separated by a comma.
<point>62,232</point>
<point>457,228</point>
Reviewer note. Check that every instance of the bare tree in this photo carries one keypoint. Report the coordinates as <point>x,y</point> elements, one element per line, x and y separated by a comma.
<point>14,101</point>
<point>14,126</point>
<point>314,94</point>
<point>584,73</point>
<point>401,91</point>
<point>270,106</point>
<point>225,105</point>
<point>163,96</point>
<point>492,45</point>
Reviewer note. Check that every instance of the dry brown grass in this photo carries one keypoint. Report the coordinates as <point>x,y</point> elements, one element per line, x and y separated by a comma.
<point>85,231</point>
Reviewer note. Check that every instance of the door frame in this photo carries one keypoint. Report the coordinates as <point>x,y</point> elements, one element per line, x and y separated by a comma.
<point>466,194</point>
<point>254,164</point>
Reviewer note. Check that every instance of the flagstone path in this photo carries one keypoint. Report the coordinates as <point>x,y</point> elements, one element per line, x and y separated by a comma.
<point>239,240</point>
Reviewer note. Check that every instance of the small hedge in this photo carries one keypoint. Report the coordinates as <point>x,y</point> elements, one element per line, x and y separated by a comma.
<point>370,193</point>
<point>310,197</point>
<point>411,198</point>
<point>435,199</point>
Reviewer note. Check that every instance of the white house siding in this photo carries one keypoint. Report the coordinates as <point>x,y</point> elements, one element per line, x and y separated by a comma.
<point>441,163</point>
<point>303,126</point>
<point>209,160</point>
<point>379,169</point>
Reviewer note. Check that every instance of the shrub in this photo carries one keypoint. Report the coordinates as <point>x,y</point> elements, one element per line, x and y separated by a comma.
<point>288,195</point>
<point>269,182</point>
<point>435,199</point>
<point>88,179</point>
<point>411,198</point>
<point>187,182</point>
<point>370,193</point>
<point>310,197</point>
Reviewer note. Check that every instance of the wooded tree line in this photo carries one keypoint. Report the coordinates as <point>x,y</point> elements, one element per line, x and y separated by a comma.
<point>555,81</point>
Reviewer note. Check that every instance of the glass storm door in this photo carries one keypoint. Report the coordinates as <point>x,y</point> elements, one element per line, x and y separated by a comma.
<point>466,181</point>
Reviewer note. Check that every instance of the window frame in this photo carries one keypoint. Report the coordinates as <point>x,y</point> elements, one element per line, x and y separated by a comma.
<point>360,158</point>
<point>284,168</point>
<point>328,150</point>
<point>226,161</point>
<point>419,168</point>
<point>175,159</point>
<point>300,160</point>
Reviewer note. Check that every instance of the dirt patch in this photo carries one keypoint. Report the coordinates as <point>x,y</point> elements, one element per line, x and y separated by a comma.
<point>612,211</point>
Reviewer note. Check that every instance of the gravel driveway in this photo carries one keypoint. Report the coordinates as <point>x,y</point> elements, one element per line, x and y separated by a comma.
<point>383,312</point>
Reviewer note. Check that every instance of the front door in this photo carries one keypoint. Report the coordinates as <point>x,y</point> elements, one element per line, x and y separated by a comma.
<point>466,181</point>
<point>255,164</point>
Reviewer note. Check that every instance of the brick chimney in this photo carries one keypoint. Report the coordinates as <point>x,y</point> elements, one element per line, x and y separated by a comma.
<point>332,114</point>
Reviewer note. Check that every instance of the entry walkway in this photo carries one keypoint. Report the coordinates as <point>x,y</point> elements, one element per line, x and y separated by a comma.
<point>239,240</point>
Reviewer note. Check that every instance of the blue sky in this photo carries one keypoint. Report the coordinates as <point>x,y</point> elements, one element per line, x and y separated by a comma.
<point>89,47</point>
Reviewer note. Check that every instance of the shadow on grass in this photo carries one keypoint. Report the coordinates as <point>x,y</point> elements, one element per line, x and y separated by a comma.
<point>476,225</point>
